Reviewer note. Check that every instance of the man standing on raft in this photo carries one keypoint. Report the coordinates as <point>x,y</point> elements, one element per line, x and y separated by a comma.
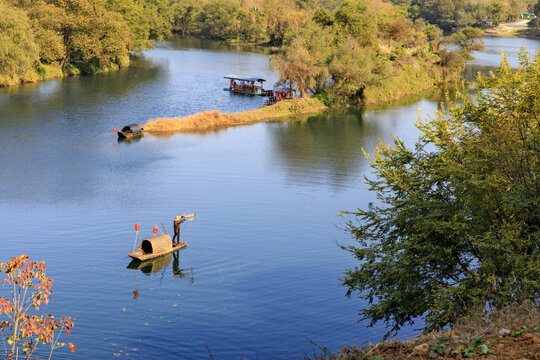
<point>177,221</point>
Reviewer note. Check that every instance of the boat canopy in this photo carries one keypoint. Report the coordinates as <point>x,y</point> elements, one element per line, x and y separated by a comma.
<point>134,128</point>
<point>157,244</point>
<point>282,90</point>
<point>254,79</point>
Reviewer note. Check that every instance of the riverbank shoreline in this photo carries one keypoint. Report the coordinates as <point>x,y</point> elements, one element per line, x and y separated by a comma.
<point>509,334</point>
<point>516,29</point>
<point>45,72</point>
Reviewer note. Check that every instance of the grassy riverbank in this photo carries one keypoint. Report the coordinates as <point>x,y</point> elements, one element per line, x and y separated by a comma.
<point>211,120</point>
<point>517,29</point>
<point>44,72</point>
<point>510,334</point>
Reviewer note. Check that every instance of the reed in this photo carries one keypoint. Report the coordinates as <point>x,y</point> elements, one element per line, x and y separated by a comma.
<point>214,119</point>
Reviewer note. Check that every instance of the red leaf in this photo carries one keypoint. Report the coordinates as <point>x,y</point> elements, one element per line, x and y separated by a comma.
<point>68,330</point>
<point>72,347</point>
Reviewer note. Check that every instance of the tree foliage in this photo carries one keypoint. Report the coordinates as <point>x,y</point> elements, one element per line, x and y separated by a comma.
<point>234,20</point>
<point>451,15</point>
<point>457,225</point>
<point>76,35</point>
<point>466,40</point>
<point>23,332</point>
<point>18,48</point>
<point>367,50</point>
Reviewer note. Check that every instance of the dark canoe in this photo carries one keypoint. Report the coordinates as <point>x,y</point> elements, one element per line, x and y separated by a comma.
<point>129,131</point>
<point>154,247</point>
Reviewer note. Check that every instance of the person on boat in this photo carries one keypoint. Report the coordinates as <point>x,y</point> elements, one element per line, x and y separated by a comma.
<point>177,221</point>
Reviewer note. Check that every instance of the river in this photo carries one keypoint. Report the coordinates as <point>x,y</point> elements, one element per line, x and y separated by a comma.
<point>260,275</point>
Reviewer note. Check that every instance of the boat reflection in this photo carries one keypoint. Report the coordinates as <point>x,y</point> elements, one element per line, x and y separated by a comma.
<point>153,266</point>
<point>130,140</point>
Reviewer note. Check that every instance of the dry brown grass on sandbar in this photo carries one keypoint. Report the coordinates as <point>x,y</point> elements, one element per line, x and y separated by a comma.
<point>209,120</point>
<point>200,121</point>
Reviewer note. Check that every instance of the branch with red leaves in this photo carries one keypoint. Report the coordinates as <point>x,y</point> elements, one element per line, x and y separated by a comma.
<point>29,288</point>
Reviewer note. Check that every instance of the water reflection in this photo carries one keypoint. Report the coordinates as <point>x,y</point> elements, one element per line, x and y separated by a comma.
<point>77,101</point>
<point>155,265</point>
<point>437,95</point>
<point>314,145</point>
<point>130,140</point>
<point>494,46</point>
<point>471,71</point>
<point>177,42</point>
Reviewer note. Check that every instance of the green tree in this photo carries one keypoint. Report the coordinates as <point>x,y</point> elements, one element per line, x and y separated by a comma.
<point>458,223</point>
<point>353,16</point>
<point>352,69</point>
<point>305,56</point>
<point>47,20</point>
<point>183,16</point>
<point>94,37</point>
<point>466,40</point>
<point>18,49</point>
<point>140,18</point>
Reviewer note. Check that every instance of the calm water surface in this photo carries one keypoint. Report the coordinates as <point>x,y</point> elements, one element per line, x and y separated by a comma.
<point>260,275</point>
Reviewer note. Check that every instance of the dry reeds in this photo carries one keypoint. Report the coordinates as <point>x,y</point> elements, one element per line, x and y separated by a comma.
<point>200,121</point>
<point>209,120</point>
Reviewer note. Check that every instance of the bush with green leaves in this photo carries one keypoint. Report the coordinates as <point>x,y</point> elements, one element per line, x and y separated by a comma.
<point>457,223</point>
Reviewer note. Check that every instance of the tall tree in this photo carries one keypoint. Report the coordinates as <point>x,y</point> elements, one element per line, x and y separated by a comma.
<point>458,220</point>
<point>18,49</point>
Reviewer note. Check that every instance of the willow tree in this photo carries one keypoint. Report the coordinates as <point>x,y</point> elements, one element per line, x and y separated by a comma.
<point>305,56</point>
<point>457,223</point>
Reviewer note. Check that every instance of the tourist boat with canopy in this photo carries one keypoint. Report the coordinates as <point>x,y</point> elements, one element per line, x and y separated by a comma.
<point>247,86</point>
<point>280,94</point>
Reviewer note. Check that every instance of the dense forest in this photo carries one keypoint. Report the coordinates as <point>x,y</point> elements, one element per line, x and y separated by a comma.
<point>453,14</point>
<point>367,51</point>
<point>47,38</point>
<point>43,39</point>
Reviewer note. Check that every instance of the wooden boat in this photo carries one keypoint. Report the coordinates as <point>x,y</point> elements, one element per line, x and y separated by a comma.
<point>280,94</point>
<point>153,247</point>
<point>247,86</point>
<point>130,131</point>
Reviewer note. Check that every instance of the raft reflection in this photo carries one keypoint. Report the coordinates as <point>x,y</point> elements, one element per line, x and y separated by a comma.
<point>152,266</point>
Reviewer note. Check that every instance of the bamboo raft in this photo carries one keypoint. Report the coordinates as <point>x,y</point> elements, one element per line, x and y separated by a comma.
<point>154,247</point>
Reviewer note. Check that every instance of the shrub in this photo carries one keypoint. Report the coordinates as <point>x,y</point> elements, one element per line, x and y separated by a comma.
<point>29,288</point>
